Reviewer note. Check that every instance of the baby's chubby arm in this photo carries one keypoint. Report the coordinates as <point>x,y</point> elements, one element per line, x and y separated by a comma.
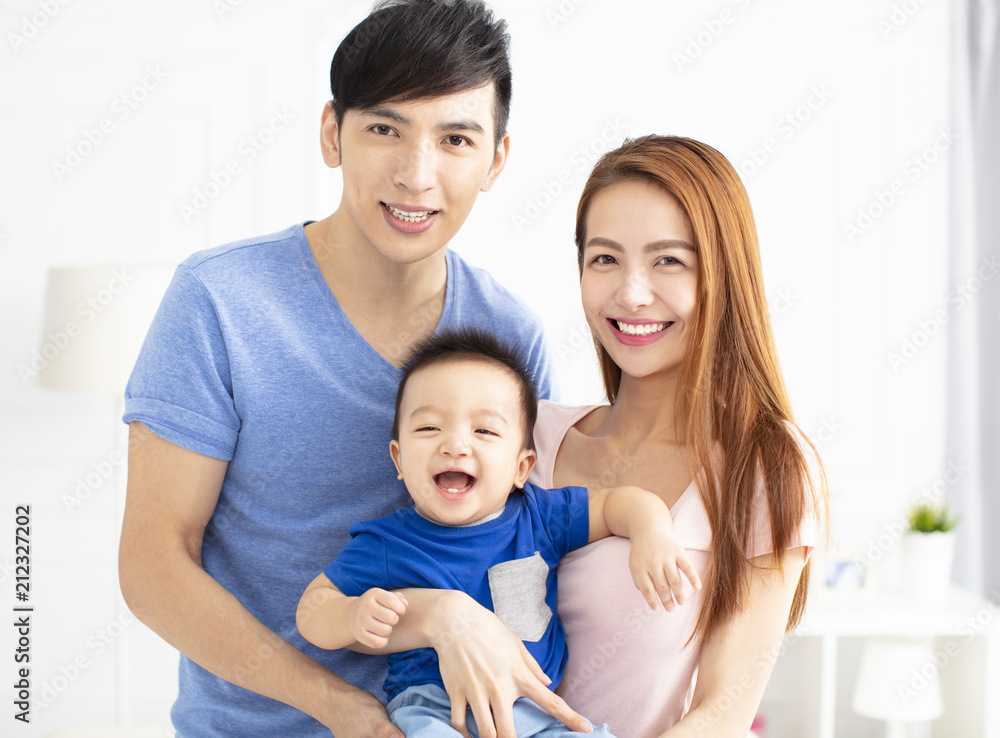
<point>657,559</point>
<point>328,618</point>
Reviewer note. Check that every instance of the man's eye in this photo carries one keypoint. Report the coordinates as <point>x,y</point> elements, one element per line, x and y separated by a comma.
<point>382,130</point>
<point>458,140</point>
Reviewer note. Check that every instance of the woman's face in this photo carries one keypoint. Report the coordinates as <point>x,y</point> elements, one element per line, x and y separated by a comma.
<point>640,276</point>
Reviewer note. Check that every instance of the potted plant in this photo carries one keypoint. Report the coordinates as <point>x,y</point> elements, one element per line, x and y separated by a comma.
<point>928,551</point>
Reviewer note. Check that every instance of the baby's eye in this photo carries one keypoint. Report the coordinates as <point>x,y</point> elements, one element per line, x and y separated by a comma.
<point>485,432</point>
<point>426,428</point>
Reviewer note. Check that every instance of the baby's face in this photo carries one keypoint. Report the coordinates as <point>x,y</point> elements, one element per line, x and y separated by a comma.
<point>460,448</point>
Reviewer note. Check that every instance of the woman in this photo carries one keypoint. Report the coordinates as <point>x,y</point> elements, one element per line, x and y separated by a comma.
<point>671,285</point>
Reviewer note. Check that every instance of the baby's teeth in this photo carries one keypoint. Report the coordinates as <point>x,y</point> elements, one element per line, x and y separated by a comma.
<point>453,489</point>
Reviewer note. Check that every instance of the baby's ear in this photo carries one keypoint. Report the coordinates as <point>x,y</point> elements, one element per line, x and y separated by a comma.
<point>394,453</point>
<point>525,463</point>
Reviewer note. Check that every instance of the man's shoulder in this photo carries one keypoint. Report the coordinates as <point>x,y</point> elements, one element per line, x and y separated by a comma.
<point>478,285</point>
<point>248,252</point>
<point>478,288</point>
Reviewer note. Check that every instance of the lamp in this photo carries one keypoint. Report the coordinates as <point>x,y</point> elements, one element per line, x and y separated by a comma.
<point>95,320</point>
<point>898,682</point>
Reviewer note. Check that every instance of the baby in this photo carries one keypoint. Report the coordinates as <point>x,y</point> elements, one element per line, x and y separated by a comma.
<point>462,443</point>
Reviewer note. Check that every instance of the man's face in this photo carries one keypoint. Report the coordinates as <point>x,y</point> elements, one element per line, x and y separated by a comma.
<point>412,170</point>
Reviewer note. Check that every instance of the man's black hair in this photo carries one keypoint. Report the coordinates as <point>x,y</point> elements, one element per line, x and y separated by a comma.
<point>410,49</point>
<point>475,344</point>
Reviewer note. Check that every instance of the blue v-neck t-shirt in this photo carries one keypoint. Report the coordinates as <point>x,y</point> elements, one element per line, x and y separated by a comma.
<point>250,359</point>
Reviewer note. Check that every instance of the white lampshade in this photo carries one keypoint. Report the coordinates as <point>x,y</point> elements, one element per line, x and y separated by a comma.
<point>95,320</point>
<point>898,681</point>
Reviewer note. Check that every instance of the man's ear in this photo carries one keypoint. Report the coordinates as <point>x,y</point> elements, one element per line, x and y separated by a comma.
<point>525,463</point>
<point>499,160</point>
<point>329,137</point>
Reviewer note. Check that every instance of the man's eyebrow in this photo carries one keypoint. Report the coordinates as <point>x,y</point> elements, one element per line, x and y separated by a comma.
<point>383,111</point>
<point>648,248</point>
<point>460,125</point>
<point>380,111</point>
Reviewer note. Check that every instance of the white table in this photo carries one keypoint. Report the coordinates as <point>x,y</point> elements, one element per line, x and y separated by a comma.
<point>816,670</point>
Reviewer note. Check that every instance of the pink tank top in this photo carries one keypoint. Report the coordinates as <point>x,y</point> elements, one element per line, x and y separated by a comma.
<point>628,665</point>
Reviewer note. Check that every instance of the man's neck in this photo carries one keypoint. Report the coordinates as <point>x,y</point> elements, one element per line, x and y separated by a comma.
<point>393,306</point>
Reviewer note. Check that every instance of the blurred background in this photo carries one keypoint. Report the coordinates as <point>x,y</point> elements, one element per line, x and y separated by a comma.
<point>134,133</point>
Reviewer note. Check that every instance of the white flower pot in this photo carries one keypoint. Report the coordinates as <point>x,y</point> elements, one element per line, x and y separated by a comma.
<point>927,560</point>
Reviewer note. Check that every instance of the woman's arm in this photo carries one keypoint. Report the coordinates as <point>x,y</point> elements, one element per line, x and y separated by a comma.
<point>737,661</point>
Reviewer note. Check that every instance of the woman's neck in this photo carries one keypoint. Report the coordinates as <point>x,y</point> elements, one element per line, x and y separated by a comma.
<point>644,411</point>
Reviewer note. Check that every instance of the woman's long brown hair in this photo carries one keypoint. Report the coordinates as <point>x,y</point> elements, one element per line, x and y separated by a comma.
<point>738,423</point>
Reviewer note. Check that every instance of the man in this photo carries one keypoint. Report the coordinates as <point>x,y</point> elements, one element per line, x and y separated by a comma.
<point>261,403</point>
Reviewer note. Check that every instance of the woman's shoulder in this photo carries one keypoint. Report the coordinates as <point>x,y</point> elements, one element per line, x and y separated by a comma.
<point>551,426</point>
<point>556,418</point>
<point>810,531</point>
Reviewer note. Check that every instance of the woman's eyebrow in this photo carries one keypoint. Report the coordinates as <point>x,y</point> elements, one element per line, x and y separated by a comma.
<point>648,248</point>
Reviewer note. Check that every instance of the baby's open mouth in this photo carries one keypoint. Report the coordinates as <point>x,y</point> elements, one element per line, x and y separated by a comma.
<point>455,482</point>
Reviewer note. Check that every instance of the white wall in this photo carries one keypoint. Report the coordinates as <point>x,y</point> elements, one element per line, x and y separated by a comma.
<point>822,107</point>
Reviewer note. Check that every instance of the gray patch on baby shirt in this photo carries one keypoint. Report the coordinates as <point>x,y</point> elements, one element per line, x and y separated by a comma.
<point>518,590</point>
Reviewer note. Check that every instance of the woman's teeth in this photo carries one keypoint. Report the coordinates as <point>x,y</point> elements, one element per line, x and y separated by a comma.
<point>417,216</point>
<point>640,329</point>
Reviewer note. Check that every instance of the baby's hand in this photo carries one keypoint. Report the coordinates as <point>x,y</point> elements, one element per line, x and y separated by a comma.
<point>657,561</point>
<point>373,615</point>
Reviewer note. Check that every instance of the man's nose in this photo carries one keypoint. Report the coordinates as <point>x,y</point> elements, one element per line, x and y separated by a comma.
<point>417,172</point>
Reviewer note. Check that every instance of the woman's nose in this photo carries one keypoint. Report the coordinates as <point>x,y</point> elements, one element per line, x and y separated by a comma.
<point>635,291</point>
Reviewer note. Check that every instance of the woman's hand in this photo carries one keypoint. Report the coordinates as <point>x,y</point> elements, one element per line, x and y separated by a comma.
<point>485,667</point>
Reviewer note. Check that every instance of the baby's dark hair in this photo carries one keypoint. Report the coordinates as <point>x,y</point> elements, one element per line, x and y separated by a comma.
<point>475,344</point>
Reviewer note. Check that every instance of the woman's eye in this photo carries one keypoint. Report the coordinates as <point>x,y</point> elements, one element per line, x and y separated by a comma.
<point>669,261</point>
<point>604,259</point>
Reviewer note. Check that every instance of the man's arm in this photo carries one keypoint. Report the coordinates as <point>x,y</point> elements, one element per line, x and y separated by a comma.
<point>172,493</point>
